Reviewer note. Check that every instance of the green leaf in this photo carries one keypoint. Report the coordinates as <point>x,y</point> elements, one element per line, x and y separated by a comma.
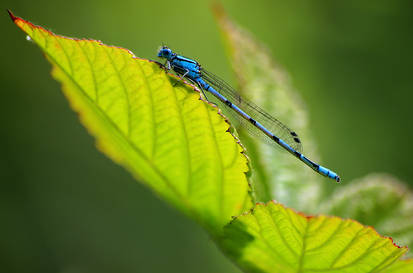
<point>379,200</point>
<point>181,147</point>
<point>401,266</point>
<point>272,238</point>
<point>166,136</point>
<point>277,174</point>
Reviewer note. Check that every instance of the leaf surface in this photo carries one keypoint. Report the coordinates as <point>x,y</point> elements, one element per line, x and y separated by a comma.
<point>379,200</point>
<point>401,266</point>
<point>272,238</point>
<point>165,136</point>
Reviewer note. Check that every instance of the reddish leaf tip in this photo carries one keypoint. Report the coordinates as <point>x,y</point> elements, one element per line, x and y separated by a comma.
<point>12,17</point>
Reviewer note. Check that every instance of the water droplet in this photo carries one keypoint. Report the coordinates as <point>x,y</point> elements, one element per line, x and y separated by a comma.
<point>28,38</point>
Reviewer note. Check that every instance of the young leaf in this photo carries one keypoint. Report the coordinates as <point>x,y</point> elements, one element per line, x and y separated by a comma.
<point>277,174</point>
<point>378,200</point>
<point>272,238</point>
<point>163,134</point>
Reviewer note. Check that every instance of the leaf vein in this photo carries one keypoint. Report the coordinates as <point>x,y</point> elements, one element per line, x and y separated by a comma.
<point>92,72</point>
<point>66,55</point>
<point>222,174</point>
<point>275,224</point>
<point>154,129</point>
<point>303,249</point>
<point>125,91</point>
<point>338,228</point>
<point>356,236</point>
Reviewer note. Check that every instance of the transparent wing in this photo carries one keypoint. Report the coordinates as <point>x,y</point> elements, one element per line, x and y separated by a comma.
<point>268,121</point>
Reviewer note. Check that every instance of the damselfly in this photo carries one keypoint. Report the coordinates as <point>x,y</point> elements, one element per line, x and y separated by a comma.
<point>263,122</point>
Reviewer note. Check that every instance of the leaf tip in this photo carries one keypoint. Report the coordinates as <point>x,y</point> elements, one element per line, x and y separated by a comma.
<point>12,17</point>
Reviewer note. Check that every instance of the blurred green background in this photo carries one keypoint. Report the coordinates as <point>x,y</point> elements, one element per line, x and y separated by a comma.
<point>67,208</point>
